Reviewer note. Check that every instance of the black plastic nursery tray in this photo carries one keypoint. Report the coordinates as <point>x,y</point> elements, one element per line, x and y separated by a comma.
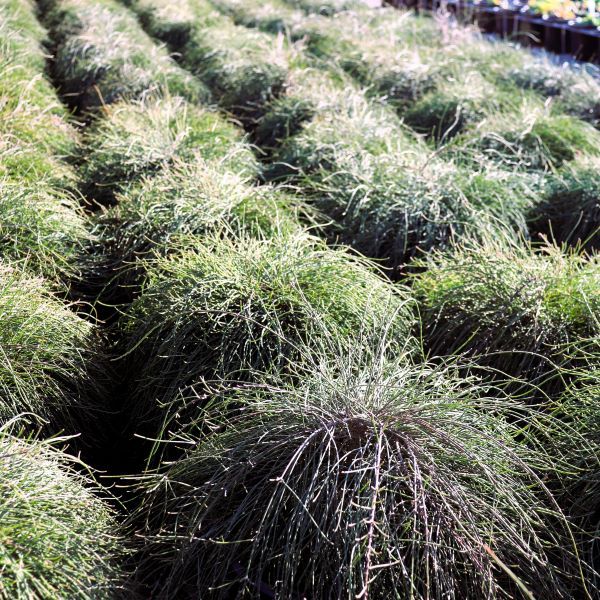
<point>555,35</point>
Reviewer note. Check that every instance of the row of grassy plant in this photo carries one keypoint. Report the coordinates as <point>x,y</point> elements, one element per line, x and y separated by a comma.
<point>42,225</point>
<point>389,480</point>
<point>57,534</point>
<point>49,356</point>
<point>235,306</point>
<point>521,312</point>
<point>387,194</point>
<point>243,68</point>
<point>102,55</point>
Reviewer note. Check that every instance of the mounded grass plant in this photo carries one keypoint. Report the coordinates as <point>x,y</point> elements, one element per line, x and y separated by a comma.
<point>371,46</point>
<point>243,68</point>
<point>578,406</point>
<point>509,307</point>
<point>185,203</point>
<point>386,481</point>
<point>237,306</point>
<point>573,90</point>
<point>388,196</point>
<point>50,357</point>
<point>326,7</point>
<point>446,111</point>
<point>172,24</point>
<point>569,211</point>
<point>272,16</point>
<point>58,537</point>
<point>310,91</point>
<point>103,55</point>
<point>34,132</point>
<point>43,230</point>
<point>532,138</point>
<point>135,139</point>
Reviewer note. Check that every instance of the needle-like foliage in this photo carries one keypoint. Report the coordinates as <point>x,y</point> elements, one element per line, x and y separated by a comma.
<point>386,481</point>
<point>569,211</point>
<point>244,69</point>
<point>230,307</point>
<point>103,55</point>
<point>183,204</point>
<point>140,138</point>
<point>48,355</point>
<point>509,307</point>
<point>329,7</point>
<point>574,90</point>
<point>42,229</point>
<point>447,110</point>
<point>532,138</point>
<point>58,537</point>
<point>580,446</point>
<point>387,195</point>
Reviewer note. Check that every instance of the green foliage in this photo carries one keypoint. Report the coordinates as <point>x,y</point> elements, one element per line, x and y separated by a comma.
<point>530,139</point>
<point>185,202</point>
<point>569,211</point>
<point>103,55</point>
<point>234,307</point>
<point>453,106</point>
<point>135,139</point>
<point>34,133</point>
<point>326,7</point>
<point>58,538</point>
<point>574,91</point>
<point>244,69</point>
<point>41,229</point>
<point>510,308</point>
<point>390,480</point>
<point>46,355</point>
<point>387,196</point>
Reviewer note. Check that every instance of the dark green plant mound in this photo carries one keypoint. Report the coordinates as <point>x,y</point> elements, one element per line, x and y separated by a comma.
<point>510,308</point>
<point>42,230</point>
<point>58,538</point>
<point>574,90</point>
<point>135,139</point>
<point>543,77</point>
<point>243,68</point>
<point>103,55</point>
<point>272,16</point>
<point>188,199</point>
<point>34,132</point>
<point>309,92</point>
<point>393,482</point>
<point>172,24</point>
<point>578,445</point>
<point>449,109</point>
<point>232,307</point>
<point>531,139</point>
<point>387,195</point>
<point>46,355</point>
<point>569,212</point>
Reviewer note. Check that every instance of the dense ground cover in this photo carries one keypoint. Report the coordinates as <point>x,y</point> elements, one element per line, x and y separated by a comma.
<point>203,277</point>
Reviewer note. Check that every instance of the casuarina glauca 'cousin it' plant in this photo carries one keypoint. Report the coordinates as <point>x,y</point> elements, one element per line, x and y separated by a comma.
<point>103,55</point>
<point>569,210</point>
<point>48,355</point>
<point>237,306</point>
<point>58,537</point>
<point>135,139</point>
<point>509,307</point>
<point>386,481</point>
